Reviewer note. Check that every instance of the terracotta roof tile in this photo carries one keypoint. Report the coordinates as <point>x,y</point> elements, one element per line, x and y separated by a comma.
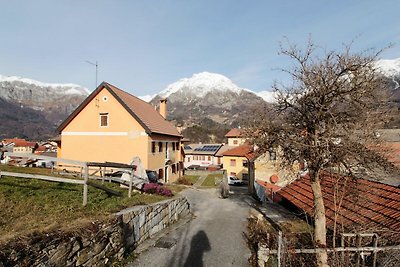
<point>234,133</point>
<point>241,151</point>
<point>365,203</point>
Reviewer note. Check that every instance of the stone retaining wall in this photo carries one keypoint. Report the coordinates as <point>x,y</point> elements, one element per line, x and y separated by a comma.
<point>99,242</point>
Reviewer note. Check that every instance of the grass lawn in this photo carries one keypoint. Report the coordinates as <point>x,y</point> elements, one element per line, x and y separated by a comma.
<point>192,178</point>
<point>212,180</point>
<point>29,205</point>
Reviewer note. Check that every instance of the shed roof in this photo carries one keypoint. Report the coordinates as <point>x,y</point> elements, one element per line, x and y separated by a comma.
<point>244,150</point>
<point>235,132</point>
<point>143,112</point>
<point>366,204</point>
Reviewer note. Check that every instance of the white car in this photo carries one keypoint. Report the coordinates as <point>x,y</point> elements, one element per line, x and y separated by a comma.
<point>232,180</point>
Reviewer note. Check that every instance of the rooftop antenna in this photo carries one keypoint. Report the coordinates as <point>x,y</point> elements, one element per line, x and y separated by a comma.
<point>96,65</point>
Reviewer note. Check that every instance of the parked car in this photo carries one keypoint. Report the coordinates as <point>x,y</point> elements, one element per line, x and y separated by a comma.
<point>232,180</point>
<point>153,177</point>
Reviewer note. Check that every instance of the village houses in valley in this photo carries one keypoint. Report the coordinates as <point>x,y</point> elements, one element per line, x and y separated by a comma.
<point>112,125</point>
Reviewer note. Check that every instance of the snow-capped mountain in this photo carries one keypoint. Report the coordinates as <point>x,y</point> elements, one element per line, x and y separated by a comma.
<point>50,102</point>
<point>201,84</point>
<point>19,89</point>
<point>388,67</point>
<point>268,96</point>
<point>208,100</point>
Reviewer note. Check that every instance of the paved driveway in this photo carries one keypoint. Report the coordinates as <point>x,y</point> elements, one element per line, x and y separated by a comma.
<point>214,237</point>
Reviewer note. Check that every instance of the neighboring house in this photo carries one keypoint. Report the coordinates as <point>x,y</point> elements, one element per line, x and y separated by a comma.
<point>202,155</point>
<point>236,161</point>
<point>236,155</point>
<point>351,205</point>
<point>115,126</point>
<point>235,137</point>
<point>24,147</point>
<point>267,172</point>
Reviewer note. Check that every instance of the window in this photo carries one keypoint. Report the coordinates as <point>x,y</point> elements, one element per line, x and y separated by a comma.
<point>159,146</point>
<point>244,163</point>
<point>209,158</point>
<point>153,147</point>
<point>103,119</point>
<point>235,142</point>
<point>173,146</point>
<point>233,162</point>
<point>173,168</point>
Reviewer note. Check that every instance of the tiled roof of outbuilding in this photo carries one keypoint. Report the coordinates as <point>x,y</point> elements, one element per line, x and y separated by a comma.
<point>234,133</point>
<point>365,204</point>
<point>143,112</point>
<point>241,151</point>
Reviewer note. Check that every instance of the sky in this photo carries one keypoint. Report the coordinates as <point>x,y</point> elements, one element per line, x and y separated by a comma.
<point>143,46</point>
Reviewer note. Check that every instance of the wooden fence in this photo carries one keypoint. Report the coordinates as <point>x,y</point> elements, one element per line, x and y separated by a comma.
<point>264,252</point>
<point>83,177</point>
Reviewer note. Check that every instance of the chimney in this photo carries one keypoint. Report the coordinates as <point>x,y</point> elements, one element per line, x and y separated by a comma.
<point>163,107</point>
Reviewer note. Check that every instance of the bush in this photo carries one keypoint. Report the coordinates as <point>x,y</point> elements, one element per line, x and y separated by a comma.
<point>153,188</point>
<point>184,180</point>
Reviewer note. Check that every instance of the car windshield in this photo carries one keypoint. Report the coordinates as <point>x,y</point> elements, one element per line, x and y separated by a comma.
<point>151,175</point>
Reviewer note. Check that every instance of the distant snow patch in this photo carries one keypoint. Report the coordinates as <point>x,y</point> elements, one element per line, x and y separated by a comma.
<point>268,96</point>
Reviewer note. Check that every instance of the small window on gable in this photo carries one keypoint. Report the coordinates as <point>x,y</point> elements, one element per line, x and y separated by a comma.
<point>233,162</point>
<point>235,142</point>
<point>103,119</point>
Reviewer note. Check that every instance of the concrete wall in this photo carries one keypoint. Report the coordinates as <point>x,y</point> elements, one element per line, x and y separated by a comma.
<point>98,243</point>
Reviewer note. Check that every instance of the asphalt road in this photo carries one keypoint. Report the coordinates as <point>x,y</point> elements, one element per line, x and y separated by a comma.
<point>214,237</point>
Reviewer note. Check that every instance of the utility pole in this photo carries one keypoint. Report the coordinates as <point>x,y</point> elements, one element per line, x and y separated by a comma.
<point>96,65</point>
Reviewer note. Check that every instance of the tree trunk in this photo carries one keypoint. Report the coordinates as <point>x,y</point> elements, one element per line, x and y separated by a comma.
<point>319,219</point>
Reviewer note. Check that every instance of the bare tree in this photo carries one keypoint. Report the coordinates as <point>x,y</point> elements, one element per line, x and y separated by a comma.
<point>327,118</point>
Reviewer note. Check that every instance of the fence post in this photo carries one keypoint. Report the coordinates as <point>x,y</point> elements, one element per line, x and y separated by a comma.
<point>279,247</point>
<point>374,254</point>
<point>130,183</point>
<point>358,244</point>
<point>85,186</point>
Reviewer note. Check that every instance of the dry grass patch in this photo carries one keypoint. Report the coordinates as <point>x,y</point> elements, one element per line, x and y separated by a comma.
<point>29,205</point>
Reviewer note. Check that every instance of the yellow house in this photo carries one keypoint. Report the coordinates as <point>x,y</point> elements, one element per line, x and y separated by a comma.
<point>115,126</point>
<point>236,161</point>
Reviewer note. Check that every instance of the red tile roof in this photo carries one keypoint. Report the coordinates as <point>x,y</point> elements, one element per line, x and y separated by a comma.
<point>24,143</point>
<point>234,133</point>
<point>365,204</point>
<point>143,112</point>
<point>13,140</point>
<point>241,151</point>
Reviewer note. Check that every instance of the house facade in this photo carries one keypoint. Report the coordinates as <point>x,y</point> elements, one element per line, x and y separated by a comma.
<point>112,125</point>
<point>236,161</point>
